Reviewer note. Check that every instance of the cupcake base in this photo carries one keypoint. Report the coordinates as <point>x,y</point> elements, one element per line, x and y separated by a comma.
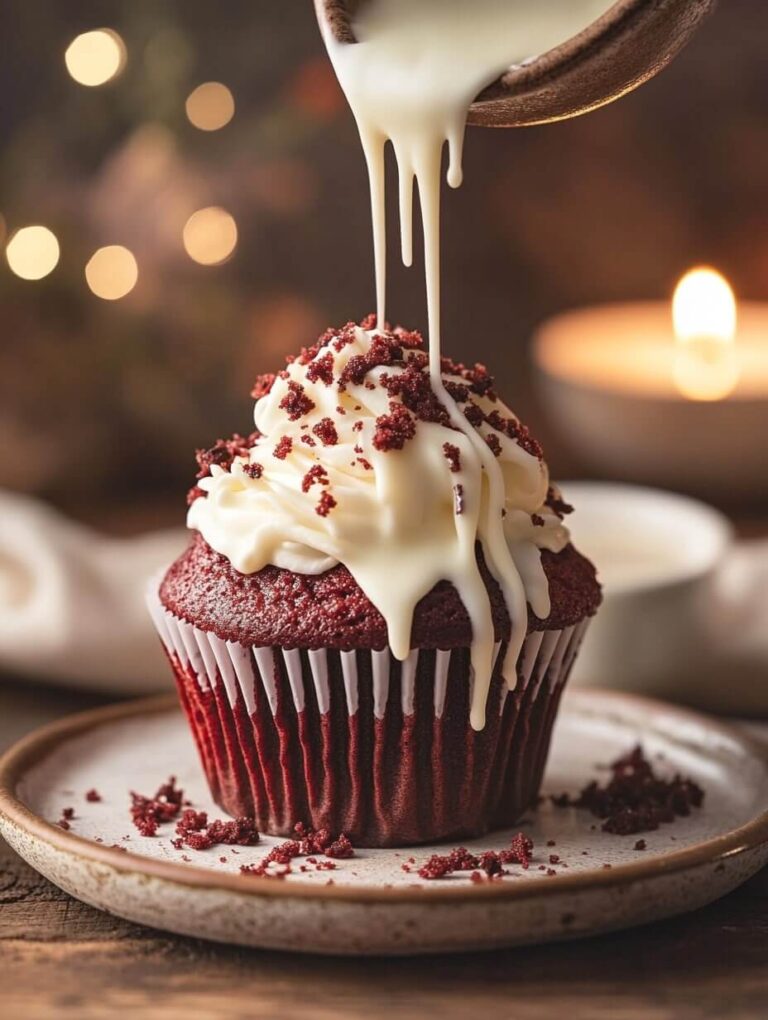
<point>358,742</point>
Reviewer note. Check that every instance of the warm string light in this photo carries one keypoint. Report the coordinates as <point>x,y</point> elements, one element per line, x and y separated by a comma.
<point>210,106</point>
<point>112,272</point>
<point>96,57</point>
<point>210,236</point>
<point>32,252</point>
<point>706,363</point>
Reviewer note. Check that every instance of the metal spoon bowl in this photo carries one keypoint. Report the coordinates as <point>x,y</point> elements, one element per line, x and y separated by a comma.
<point>630,43</point>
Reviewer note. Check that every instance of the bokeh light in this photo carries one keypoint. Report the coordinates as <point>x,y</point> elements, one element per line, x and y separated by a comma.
<point>210,236</point>
<point>704,317</point>
<point>33,252</point>
<point>210,106</point>
<point>96,57</point>
<point>112,272</point>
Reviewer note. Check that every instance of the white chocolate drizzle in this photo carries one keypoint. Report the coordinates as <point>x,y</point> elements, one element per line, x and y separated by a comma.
<point>404,519</point>
<point>410,79</point>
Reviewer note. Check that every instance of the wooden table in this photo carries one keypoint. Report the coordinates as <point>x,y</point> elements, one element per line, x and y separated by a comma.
<point>62,959</point>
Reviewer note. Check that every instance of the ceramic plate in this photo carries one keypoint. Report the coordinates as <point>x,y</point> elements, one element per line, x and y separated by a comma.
<point>372,904</point>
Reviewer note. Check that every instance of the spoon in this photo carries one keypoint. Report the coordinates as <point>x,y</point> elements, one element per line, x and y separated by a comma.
<point>630,43</point>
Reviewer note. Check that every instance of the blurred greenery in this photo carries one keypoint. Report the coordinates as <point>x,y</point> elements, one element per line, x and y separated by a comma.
<point>105,401</point>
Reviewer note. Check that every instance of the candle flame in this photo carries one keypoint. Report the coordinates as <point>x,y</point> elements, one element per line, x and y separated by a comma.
<point>704,318</point>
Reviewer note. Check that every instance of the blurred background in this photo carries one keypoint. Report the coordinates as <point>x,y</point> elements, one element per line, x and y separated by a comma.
<point>201,179</point>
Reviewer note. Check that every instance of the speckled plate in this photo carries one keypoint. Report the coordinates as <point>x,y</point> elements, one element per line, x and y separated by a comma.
<point>371,904</point>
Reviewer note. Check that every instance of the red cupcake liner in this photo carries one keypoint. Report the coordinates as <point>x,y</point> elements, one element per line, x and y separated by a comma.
<point>361,743</point>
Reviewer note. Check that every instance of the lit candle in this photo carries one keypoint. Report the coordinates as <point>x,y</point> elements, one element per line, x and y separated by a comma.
<point>672,395</point>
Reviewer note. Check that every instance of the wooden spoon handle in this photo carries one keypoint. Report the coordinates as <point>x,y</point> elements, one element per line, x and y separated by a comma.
<point>630,43</point>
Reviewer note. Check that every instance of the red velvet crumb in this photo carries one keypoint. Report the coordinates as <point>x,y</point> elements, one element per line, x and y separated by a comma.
<point>494,444</point>
<point>296,403</point>
<point>326,432</point>
<point>458,499</point>
<point>316,474</point>
<point>321,369</point>
<point>93,796</point>
<point>491,862</point>
<point>557,504</point>
<point>150,812</point>
<point>325,504</point>
<point>283,448</point>
<point>263,385</point>
<point>636,799</point>
<point>393,430</point>
<point>453,456</point>
<point>277,863</point>
<point>194,830</point>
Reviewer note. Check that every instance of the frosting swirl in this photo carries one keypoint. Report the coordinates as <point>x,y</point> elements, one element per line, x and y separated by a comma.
<point>357,460</point>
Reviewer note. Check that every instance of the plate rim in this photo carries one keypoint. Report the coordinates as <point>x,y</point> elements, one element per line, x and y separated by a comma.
<point>32,748</point>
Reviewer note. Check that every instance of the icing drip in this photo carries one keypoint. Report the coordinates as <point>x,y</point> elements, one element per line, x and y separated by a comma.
<point>410,79</point>
<point>357,462</point>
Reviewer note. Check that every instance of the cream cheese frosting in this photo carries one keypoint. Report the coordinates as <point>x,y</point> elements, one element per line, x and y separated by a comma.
<point>371,453</point>
<point>357,463</point>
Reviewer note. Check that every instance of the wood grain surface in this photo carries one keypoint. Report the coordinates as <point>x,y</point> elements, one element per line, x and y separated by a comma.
<point>60,958</point>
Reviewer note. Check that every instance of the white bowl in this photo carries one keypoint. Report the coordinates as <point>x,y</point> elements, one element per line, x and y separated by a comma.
<point>657,555</point>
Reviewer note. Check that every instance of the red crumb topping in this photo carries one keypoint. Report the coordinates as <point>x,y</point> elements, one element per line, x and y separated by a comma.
<point>150,812</point>
<point>554,859</point>
<point>453,456</point>
<point>516,431</point>
<point>414,388</point>
<point>458,499</point>
<point>346,336</point>
<point>491,862</point>
<point>384,350</point>
<point>494,444</point>
<point>194,830</point>
<point>393,430</point>
<point>253,470</point>
<point>316,474</point>
<point>93,796</point>
<point>537,520</point>
<point>296,403</point>
<point>308,441</point>
<point>283,448</point>
<point>325,504</point>
<point>474,414</point>
<point>458,391</point>
<point>557,504</point>
<point>263,385</point>
<point>326,432</point>
<point>221,454</point>
<point>277,863</point>
<point>321,369</point>
<point>636,799</point>
<point>641,845</point>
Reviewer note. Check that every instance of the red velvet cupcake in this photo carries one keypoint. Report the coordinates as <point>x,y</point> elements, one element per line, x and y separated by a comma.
<point>373,624</point>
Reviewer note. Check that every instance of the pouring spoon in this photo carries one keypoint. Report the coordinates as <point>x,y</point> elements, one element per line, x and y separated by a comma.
<point>630,43</point>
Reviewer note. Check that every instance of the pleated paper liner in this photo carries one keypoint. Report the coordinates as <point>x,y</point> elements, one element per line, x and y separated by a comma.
<point>358,742</point>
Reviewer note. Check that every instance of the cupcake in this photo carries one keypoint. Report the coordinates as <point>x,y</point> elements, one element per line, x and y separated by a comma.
<point>372,626</point>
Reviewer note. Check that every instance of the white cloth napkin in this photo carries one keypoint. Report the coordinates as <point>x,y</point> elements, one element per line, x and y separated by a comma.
<point>72,601</point>
<point>72,609</point>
